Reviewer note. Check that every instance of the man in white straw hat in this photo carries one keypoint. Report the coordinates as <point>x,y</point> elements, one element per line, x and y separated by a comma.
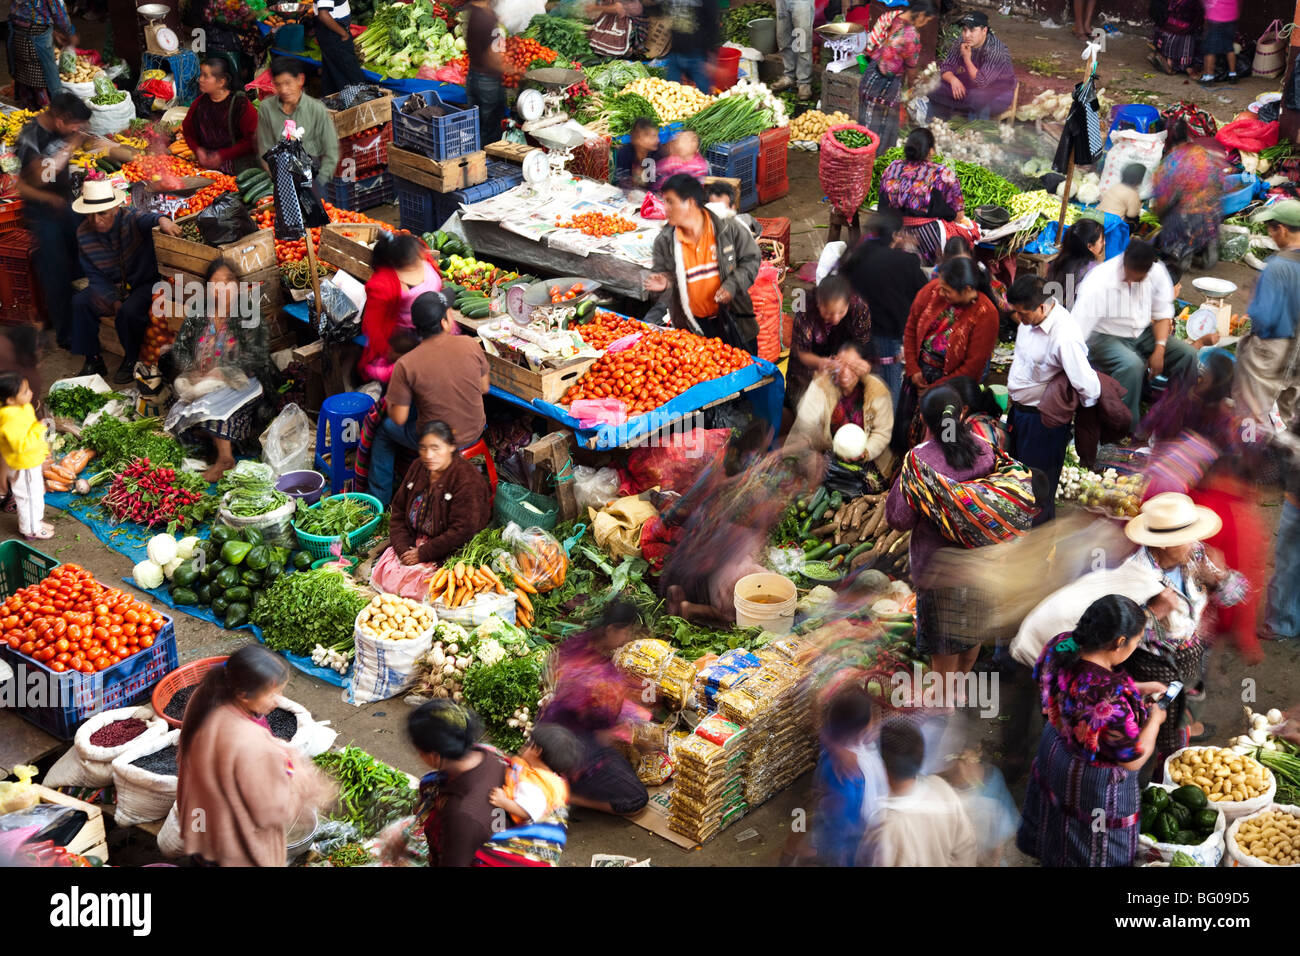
<point>1170,529</point>
<point>116,246</point>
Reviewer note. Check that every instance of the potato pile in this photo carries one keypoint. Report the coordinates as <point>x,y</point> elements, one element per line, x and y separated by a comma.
<point>84,72</point>
<point>812,125</point>
<point>395,618</point>
<point>1273,837</point>
<point>672,101</point>
<point>1222,774</point>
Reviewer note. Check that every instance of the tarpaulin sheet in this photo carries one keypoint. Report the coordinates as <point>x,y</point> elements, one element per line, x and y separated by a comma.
<point>131,540</point>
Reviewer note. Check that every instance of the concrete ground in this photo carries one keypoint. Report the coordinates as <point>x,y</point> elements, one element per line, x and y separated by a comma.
<point>760,837</point>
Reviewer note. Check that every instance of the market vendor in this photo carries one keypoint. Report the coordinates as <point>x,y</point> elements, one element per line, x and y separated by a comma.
<point>238,788</point>
<point>889,65</point>
<point>443,379</point>
<point>488,67</point>
<point>1187,195</point>
<point>221,124</point>
<point>979,79</point>
<point>403,270</point>
<point>338,52</point>
<point>117,256</point>
<point>38,30</point>
<point>846,393</point>
<point>832,318</point>
<point>224,336</point>
<point>290,102</point>
<point>636,162</point>
<point>926,195</point>
<point>442,502</point>
<point>598,703</point>
<point>709,263</point>
<point>696,34</point>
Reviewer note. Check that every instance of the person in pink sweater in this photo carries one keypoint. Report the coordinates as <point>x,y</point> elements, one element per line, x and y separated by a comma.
<point>239,789</point>
<point>683,157</point>
<point>1220,34</point>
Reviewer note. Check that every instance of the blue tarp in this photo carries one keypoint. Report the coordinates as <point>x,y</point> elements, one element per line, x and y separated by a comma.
<point>130,540</point>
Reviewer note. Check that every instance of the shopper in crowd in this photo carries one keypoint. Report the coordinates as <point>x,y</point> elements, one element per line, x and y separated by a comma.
<point>598,703</point>
<point>832,316</point>
<point>683,157</point>
<point>959,247</point>
<point>455,796</point>
<point>442,502</point>
<point>1282,615</point>
<point>979,79</point>
<point>1100,730</point>
<point>1177,29</point>
<point>487,68</point>
<point>1220,37</point>
<point>922,821</point>
<point>1187,195</point>
<point>889,66</point>
<point>1123,199</point>
<point>951,330</point>
<point>228,334</point>
<point>1082,247</point>
<point>1268,362</point>
<point>696,33</point>
<point>1170,530</point>
<point>981,411</point>
<point>926,195</point>
<point>239,790</point>
<point>536,797</point>
<point>221,124</point>
<point>402,270</point>
<point>636,164</point>
<point>18,354</point>
<point>850,778</point>
<point>23,449</point>
<point>794,38</point>
<point>117,256</point>
<point>887,279</point>
<point>44,146</point>
<point>1125,308</point>
<point>1048,344</point>
<point>339,66</point>
<point>309,114</point>
<point>444,379</point>
<point>709,264</point>
<point>38,31</point>
<point>949,620</point>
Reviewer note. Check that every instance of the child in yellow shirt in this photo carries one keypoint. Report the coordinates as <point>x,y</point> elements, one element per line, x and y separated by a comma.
<point>535,790</point>
<point>24,449</point>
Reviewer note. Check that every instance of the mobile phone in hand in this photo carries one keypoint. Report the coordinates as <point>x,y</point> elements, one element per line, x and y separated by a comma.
<point>1175,688</point>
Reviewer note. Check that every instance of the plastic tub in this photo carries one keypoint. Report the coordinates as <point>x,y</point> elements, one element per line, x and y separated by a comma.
<point>727,72</point>
<point>765,600</point>
<point>306,485</point>
<point>762,35</point>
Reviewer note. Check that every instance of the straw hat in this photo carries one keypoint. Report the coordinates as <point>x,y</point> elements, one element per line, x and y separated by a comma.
<point>1171,519</point>
<point>97,195</point>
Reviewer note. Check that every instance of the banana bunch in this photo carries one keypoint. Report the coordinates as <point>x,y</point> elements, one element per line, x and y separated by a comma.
<point>85,161</point>
<point>135,142</point>
<point>11,125</point>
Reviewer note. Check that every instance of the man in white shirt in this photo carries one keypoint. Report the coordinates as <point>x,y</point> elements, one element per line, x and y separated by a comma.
<point>1125,310</point>
<point>1048,343</point>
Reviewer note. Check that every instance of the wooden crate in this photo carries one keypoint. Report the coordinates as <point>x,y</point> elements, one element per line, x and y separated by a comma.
<point>92,840</point>
<point>339,246</point>
<point>441,176</point>
<point>353,120</point>
<point>510,152</point>
<point>254,253</point>
<point>548,384</point>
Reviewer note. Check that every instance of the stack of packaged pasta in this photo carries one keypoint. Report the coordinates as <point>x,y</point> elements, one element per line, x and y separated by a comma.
<point>709,789</point>
<point>657,662</point>
<point>728,671</point>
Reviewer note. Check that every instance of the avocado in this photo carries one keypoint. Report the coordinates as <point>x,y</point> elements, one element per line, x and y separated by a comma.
<point>239,594</point>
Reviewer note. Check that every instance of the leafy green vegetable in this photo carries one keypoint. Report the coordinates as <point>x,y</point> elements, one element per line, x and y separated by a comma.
<point>696,641</point>
<point>735,23</point>
<point>624,109</point>
<point>566,37</point>
<point>371,793</point>
<point>615,74</point>
<point>335,517</point>
<point>251,487</point>
<point>76,402</point>
<point>728,120</point>
<point>308,608</point>
<point>497,691</point>
<point>116,441</point>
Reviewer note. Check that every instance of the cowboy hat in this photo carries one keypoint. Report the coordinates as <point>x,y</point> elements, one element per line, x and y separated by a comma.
<point>1171,519</point>
<point>97,195</point>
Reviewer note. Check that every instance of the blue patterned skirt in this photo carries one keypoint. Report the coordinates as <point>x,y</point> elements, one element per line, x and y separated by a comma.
<point>1077,813</point>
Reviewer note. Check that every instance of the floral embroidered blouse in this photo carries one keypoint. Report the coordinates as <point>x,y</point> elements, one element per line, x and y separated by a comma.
<point>907,187</point>
<point>901,50</point>
<point>1099,713</point>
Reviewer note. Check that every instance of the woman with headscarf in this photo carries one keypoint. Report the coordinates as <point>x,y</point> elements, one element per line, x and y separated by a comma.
<point>1187,195</point>
<point>925,194</point>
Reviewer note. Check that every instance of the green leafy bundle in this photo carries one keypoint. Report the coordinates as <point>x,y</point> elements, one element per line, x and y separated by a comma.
<point>696,641</point>
<point>736,22</point>
<point>76,402</point>
<point>624,109</point>
<point>307,608</point>
<point>497,691</point>
<point>614,75</point>
<point>116,441</point>
<point>566,37</point>
<point>728,120</point>
<point>335,517</point>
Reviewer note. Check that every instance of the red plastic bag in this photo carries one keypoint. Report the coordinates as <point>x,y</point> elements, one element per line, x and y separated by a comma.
<point>158,89</point>
<point>766,294</point>
<point>262,83</point>
<point>675,463</point>
<point>91,55</point>
<point>1248,134</point>
<point>652,207</point>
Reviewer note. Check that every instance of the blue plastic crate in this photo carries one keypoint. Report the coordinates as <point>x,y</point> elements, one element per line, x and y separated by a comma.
<point>78,696</point>
<point>417,207</point>
<point>442,137</point>
<point>512,174</point>
<point>738,160</point>
<point>184,68</point>
<point>666,132</point>
<point>359,194</point>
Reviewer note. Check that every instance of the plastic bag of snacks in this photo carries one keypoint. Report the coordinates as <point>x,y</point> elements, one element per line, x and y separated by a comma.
<point>537,561</point>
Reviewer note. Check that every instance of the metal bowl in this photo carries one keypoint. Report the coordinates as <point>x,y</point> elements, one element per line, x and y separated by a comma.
<point>290,8</point>
<point>1215,287</point>
<point>834,31</point>
<point>299,835</point>
<point>152,11</point>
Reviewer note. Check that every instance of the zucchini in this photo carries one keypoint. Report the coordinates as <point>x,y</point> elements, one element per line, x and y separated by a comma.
<point>860,549</point>
<point>266,189</point>
<point>818,497</point>
<point>839,549</point>
<point>818,552</point>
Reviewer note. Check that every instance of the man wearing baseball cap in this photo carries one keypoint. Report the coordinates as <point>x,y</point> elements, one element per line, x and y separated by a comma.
<point>1268,361</point>
<point>979,79</point>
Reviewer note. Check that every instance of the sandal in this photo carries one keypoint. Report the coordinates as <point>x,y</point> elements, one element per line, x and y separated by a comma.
<point>8,504</point>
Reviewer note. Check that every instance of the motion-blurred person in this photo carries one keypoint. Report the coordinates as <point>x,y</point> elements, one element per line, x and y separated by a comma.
<point>697,33</point>
<point>1187,195</point>
<point>831,318</point>
<point>537,799</point>
<point>1282,618</point>
<point>1099,731</point>
<point>1048,344</point>
<point>683,157</point>
<point>17,354</point>
<point>921,822</point>
<point>888,66</point>
<point>636,163</point>
<point>38,30</point>
<point>849,778</point>
<point>487,68</point>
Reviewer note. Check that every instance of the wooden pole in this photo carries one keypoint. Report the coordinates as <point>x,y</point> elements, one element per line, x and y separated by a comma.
<point>1065,201</point>
<point>315,277</point>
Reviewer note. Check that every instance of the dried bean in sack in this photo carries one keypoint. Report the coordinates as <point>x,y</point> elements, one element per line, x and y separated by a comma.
<point>143,794</point>
<point>99,741</point>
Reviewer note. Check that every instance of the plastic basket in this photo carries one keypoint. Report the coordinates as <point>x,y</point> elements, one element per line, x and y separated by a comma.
<point>773,183</point>
<point>501,171</point>
<point>77,696</point>
<point>17,282</point>
<point>509,506</point>
<point>416,207</point>
<point>21,566</point>
<point>666,132</point>
<point>191,675</point>
<point>320,547</point>
<point>441,137</point>
<point>184,68</point>
<point>356,195</point>
<point>367,151</point>
<point>778,230</point>
<point>11,215</point>
<point>738,160</point>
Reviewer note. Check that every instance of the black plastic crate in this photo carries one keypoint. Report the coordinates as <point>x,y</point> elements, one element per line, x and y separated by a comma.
<point>441,137</point>
<point>416,207</point>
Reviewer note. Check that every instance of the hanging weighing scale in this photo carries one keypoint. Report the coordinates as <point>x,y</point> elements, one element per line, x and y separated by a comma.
<point>845,40</point>
<point>545,107</point>
<point>159,39</point>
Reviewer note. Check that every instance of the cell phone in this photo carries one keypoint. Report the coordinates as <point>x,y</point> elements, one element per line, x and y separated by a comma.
<point>1175,688</point>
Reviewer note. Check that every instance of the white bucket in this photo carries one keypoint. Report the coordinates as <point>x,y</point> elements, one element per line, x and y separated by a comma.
<point>765,600</point>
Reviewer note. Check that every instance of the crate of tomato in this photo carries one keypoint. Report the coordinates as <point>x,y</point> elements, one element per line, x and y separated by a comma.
<point>76,646</point>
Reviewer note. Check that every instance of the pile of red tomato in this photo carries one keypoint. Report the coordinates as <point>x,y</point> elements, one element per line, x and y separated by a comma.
<point>597,223</point>
<point>295,250</point>
<point>608,327</point>
<point>144,168</point>
<point>71,622</point>
<point>657,369</point>
<point>221,183</point>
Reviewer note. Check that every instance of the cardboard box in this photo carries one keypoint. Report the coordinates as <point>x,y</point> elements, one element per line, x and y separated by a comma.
<point>254,253</point>
<point>441,176</point>
<point>353,120</point>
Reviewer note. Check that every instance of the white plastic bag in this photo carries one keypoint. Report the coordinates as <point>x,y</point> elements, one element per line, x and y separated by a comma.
<point>1239,857</point>
<point>1207,853</point>
<point>383,668</point>
<point>143,796</point>
<point>86,765</point>
<point>1129,146</point>
<point>479,609</point>
<point>107,120</point>
<point>594,487</point>
<point>289,442</point>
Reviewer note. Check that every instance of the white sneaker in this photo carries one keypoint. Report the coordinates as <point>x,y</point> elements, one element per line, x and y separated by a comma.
<point>782,84</point>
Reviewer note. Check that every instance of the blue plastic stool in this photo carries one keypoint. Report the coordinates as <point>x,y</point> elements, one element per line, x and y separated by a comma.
<point>1136,116</point>
<point>184,68</point>
<point>340,417</point>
